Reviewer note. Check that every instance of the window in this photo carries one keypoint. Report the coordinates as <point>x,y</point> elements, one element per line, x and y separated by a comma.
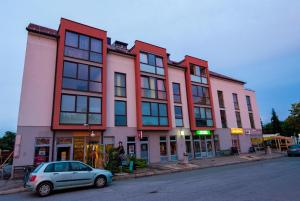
<point>198,74</point>
<point>120,84</point>
<point>200,95</point>
<point>120,113</point>
<point>235,101</point>
<point>221,99</point>
<point>173,148</point>
<point>82,77</point>
<point>80,110</point>
<point>178,116</point>
<point>83,47</point>
<point>154,114</point>
<point>131,146</point>
<point>238,119</point>
<point>41,150</point>
<point>151,63</point>
<point>203,117</point>
<point>248,100</point>
<point>163,149</point>
<point>61,167</point>
<point>251,120</point>
<point>176,92</point>
<point>153,88</point>
<point>76,166</point>
<point>223,118</point>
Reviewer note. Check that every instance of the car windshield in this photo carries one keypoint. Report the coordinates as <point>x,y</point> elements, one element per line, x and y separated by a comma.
<point>38,168</point>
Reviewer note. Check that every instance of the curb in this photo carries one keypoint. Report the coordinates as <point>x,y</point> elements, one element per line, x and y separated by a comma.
<point>160,172</point>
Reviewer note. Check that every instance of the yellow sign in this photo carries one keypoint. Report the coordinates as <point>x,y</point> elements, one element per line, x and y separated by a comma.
<point>237,131</point>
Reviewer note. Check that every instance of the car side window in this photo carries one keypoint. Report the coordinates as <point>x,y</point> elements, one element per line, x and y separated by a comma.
<point>49,168</point>
<point>61,167</point>
<point>75,166</point>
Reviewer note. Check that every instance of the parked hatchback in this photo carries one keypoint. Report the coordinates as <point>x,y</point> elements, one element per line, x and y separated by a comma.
<point>65,174</point>
<point>294,150</point>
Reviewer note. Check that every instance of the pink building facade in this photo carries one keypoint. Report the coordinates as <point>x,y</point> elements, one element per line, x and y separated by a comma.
<point>82,95</point>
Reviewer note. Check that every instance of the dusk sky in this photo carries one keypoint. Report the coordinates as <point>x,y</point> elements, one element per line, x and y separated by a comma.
<point>257,41</point>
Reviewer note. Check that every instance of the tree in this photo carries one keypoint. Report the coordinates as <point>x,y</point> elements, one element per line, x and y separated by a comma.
<point>275,122</point>
<point>7,142</point>
<point>293,120</point>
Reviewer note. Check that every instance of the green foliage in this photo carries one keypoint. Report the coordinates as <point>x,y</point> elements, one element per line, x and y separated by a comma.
<point>276,124</point>
<point>112,164</point>
<point>7,142</point>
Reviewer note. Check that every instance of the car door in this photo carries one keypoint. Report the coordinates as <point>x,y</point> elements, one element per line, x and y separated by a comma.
<point>82,174</point>
<point>61,175</point>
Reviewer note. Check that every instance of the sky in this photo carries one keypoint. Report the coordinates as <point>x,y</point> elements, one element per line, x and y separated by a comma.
<point>257,41</point>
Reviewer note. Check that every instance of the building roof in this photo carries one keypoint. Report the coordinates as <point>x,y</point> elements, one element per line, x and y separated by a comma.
<point>54,33</point>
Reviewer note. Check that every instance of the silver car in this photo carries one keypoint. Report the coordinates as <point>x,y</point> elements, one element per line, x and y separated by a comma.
<point>65,174</point>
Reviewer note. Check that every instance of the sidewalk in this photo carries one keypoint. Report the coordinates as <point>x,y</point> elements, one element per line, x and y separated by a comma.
<point>14,186</point>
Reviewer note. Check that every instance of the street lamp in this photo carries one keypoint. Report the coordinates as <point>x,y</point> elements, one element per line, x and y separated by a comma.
<point>92,134</point>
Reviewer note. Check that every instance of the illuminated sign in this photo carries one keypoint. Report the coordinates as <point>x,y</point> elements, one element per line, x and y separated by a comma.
<point>203,132</point>
<point>237,131</point>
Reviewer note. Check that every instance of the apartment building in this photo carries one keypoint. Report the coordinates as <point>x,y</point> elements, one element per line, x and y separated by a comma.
<point>82,95</point>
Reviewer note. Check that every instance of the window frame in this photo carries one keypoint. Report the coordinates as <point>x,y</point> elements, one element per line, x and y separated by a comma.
<point>119,115</point>
<point>181,116</point>
<point>122,87</point>
<point>235,101</point>
<point>251,119</point>
<point>239,123</point>
<point>87,113</point>
<point>221,99</point>
<point>78,46</point>
<point>176,94</point>
<point>88,80</point>
<point>202,76</point>
<point>206,98</point>
<point>201,118</point>
<point>223,119</point>
<point>155,65</point>
<point>158,116</point>
<point>156,90</point>
<point>248,101</point>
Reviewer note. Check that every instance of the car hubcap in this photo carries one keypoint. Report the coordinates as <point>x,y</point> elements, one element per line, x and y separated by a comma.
<point>44,189</point>
<point>100,182</point>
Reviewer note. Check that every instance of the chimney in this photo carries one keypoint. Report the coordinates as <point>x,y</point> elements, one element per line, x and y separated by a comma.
<point>120,45</point>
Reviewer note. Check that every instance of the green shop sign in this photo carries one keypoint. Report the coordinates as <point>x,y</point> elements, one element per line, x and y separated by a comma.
<point>203,132</point>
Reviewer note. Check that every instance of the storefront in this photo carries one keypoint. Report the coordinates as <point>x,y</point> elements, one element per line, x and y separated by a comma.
<point>235,137</point>
<point>203,144</point>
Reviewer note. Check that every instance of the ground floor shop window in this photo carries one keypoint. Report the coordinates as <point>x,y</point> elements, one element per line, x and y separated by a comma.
<point>188,146</point>
<point>203,146</point>
<point>41,150</point>
<point>197,148</point>
<point>236,143</point>
<point>63,150</point>
<point>131,146</point>
<point>163,149</point>
<point>173,146</point>
<point>78,148</point>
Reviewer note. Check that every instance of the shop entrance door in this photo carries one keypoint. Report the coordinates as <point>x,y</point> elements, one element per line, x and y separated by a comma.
<point>144,152</point>
<point>63,153</point>
<point>203,146</point>
<point>209,147</point>
<point>197,146</point>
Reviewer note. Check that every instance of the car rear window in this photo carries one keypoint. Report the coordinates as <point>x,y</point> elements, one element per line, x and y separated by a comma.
<point>38,168</point>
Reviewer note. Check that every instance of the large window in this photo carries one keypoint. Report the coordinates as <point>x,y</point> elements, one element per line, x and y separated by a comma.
<point>200,95</point>
<point>83,47</point>
<point>221,99</point>
<point>176,92</point>
<point>178,116</point>
<point>120,113</point>
<point>238,119</point>
<point>154,114</point>
<point>198,74</point>
<point>153,88</point>
<point>120,84</point>
<point>223,118</point>
<point>248,100</point>
<point>163,148</point>
<point>235,101</point>
<point>82,77</point>
<point>203,117</point>
<point>80,110</point>
<point>251,120</point>
<point>151,63</point>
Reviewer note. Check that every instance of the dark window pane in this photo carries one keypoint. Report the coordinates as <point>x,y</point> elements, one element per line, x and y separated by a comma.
<point>95,74</point>
<point>176,88</point>
<point>72,118</point>
<point>119,91</point>
<point>159,62</point>
<point>150,121</point>
<point>67,103</point>
<point>94,119</point>
<point>70,69</point>
<point>179,122</point>
<point>163,121</point>
<point>120,120</point>
<point>76,53</point>
<point>163,110</point>
<point>95,87</point>
<point>81,104</point>
<point>71,39</point>
<point>96,45</point>
<point>151,60</point>
<point>61,167</point>
<point>84,42</point>
<point>178,112</point>
<point>75,84</point>
<point>145,108</point>
<point>95,105</point>
<point>96,57</point>
<point>154,109</point>
<point>120,108</point>
<point>143,58</point>
<point>120,80</point>
<point>83,72</point>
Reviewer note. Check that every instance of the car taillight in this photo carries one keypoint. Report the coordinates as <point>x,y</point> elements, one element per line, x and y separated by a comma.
<point>32,178</point>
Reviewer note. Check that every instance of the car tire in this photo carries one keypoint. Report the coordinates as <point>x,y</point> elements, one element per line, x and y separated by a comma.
<point>100,181</point>
<point>44,189</point>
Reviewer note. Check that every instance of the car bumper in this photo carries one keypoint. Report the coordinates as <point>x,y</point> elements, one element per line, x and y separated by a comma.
<point>109,179</point>
<point>30,187</point>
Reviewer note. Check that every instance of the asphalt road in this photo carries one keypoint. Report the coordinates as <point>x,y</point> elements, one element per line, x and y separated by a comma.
<point>272,180</point>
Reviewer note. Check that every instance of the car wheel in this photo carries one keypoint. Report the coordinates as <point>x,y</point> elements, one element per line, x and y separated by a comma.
<point>100,181</point>
<point>44,189</point>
